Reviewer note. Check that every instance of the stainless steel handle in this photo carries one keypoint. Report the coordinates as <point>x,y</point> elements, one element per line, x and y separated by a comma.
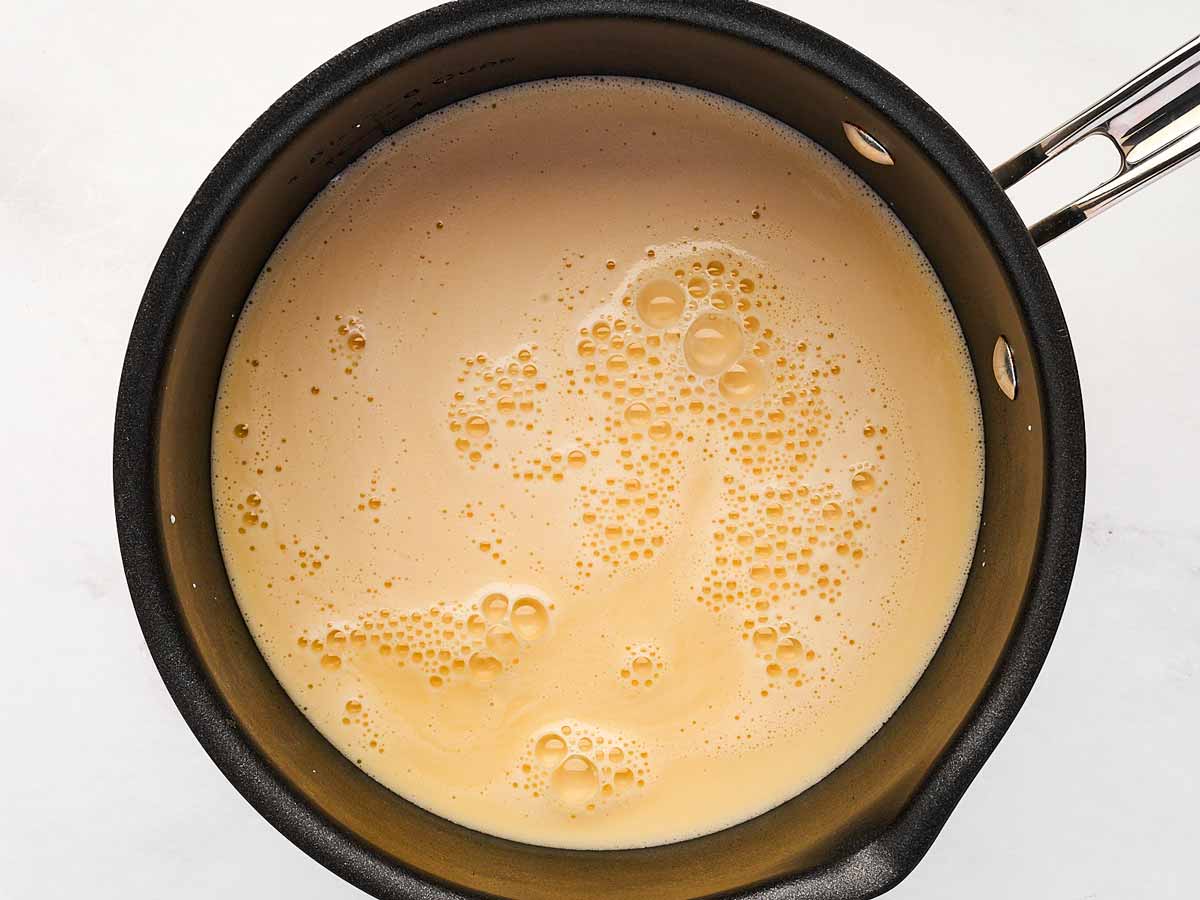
<point>1154,122</point>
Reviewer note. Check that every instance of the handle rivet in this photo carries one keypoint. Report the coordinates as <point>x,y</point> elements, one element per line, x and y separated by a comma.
<point>867,145</point>
<point>1004,368</point>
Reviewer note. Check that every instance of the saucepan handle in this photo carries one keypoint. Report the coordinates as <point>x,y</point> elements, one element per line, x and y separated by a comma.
<point>1154,122</point>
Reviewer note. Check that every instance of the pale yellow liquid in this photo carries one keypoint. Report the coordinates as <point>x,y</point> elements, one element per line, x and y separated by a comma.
<point>597,463</point>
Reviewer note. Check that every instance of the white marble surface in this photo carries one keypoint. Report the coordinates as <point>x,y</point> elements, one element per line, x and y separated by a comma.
<point>112,113</point>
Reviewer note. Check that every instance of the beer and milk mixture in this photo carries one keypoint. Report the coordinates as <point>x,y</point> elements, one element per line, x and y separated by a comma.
<point>597,463</point>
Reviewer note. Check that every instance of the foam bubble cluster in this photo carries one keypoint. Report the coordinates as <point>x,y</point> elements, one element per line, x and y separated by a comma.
<point>582,767</point>
<point>643,665</point>
<point>476,641</point>
<point>682,370</point>
<point>503,394</point>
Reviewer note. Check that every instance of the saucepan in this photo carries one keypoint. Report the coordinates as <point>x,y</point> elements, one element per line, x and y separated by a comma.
<point>864,827</point>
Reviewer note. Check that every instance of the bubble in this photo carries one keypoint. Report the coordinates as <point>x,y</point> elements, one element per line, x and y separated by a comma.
<point>623,778</point>
<point>660,430</point>
<point>616,755</point>
<point>501,641</point>
<point>357,340</point>
<point>331,662</point>
<point>746,286</point>
<point>698,287</point>
<point>721,300</point>
<point>601,331</point>
<point>476,625</point>
<point>484,667</point>
<point>660,304</point>
<point>550,751</point>
<point>587,347</point>
<point>477,426</point>
<point>637,413</point>
<point>254,498</point>
<point>529,619</point>
<point>744,381</point>
<point>712,344</point>
<point>240,430</point>
<point>576,459</point>
<point>494,607</point>
<point>863,482</point>
<point>764,638</point>
<point>715,268</point>
<point>575,781</point>
<point>506,404</point>
<point>788,650</point>
<point>617,363</point>
<point>831,511</point>
<point>643,667</point>
<point>353,707</point>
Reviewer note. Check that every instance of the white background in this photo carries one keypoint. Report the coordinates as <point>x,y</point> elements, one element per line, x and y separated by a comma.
<point>111,114</point>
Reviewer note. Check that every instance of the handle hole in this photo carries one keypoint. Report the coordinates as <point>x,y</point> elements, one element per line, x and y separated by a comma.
<point>1073,173</point>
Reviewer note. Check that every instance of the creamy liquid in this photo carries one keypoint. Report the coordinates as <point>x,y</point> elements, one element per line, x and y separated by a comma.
<point>597,463</point>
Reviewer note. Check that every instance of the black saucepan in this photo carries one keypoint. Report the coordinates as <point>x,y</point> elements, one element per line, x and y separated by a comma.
<point>864,827</point>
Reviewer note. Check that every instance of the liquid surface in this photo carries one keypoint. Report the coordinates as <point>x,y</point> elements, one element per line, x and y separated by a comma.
<point>597,463</point>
